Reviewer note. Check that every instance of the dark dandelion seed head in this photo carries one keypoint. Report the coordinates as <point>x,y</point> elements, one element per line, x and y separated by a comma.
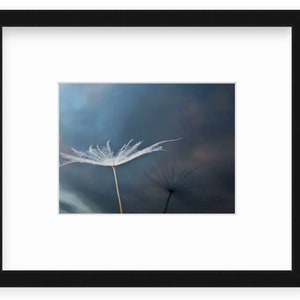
<point>168,178</point>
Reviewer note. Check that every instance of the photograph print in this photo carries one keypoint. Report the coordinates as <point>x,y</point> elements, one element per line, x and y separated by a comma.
<point>146,148</point>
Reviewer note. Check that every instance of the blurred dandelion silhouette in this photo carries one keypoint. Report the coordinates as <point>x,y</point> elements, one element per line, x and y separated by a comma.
<point>172,181</point>
<point>104,156</point>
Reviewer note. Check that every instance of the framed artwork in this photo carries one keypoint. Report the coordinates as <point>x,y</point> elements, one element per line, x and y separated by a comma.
<point>173,177</point>
<point>150,148</point>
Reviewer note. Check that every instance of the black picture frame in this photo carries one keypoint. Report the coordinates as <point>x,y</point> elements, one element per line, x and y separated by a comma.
<point>186,18</point>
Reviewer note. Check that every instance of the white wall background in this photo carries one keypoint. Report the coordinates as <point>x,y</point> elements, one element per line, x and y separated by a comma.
<point>147,294</point>
<point>211,294</point>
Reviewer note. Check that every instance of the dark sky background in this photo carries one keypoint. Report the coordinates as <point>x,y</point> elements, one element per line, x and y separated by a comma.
<point>200,167</point>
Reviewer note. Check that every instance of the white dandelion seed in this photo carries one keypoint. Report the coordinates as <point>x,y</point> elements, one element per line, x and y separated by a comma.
<point>104,156</point>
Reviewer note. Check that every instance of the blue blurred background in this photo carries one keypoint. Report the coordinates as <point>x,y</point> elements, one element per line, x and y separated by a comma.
<point>198,170</point>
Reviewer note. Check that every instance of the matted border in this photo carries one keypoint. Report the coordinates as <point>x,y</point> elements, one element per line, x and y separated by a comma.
<point>166,278</point>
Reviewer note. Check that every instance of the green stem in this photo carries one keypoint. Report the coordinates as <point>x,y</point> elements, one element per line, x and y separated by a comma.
<point>117,188</point>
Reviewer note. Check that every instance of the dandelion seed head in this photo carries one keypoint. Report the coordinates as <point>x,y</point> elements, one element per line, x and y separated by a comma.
<point>104,156</point>
<point>167,178</point>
